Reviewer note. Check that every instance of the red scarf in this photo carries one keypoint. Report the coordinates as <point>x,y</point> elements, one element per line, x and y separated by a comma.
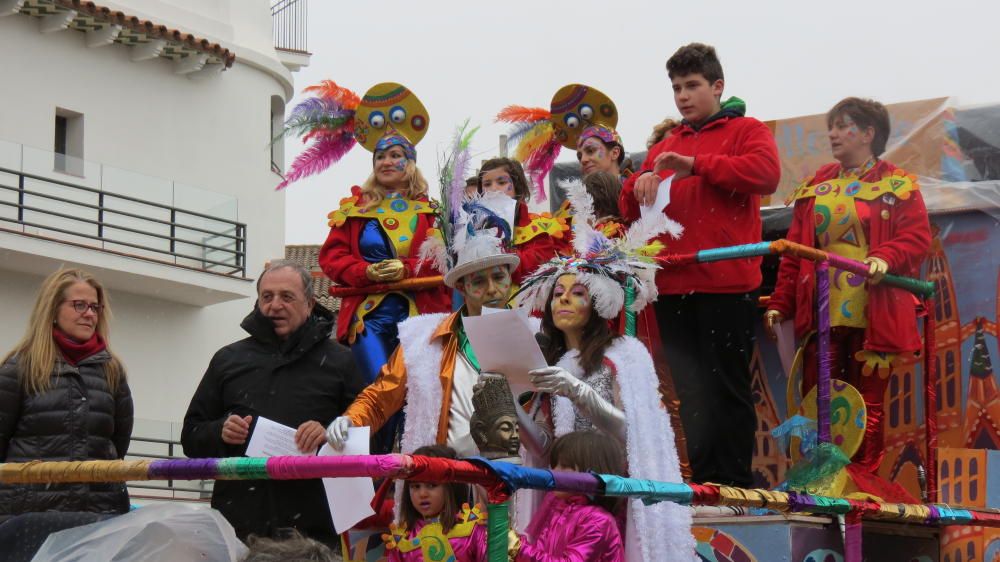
<point>73,351</point>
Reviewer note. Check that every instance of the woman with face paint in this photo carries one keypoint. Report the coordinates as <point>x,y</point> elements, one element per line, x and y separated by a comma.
<point>863,208</point>
<point>376,233</point>
<point>603,381</point>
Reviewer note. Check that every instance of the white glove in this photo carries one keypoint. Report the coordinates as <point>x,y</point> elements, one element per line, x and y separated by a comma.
<point>336,433</point>
<point>599,411</point>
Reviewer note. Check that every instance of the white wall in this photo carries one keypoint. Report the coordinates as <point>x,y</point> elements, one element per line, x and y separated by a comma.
<point>209,133</point>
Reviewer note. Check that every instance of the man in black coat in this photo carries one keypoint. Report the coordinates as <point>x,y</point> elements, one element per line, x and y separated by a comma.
<point>290,371</point>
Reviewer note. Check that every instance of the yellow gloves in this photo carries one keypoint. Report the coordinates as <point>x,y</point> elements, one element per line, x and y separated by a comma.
<point>875,361</point>
<point>877,268</point>
<point>385,271</point>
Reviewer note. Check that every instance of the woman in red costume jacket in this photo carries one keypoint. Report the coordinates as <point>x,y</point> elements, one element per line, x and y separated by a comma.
<point>867,209</point>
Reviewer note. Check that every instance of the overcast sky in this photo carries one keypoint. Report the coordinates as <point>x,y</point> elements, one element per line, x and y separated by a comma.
<point>784,58</point>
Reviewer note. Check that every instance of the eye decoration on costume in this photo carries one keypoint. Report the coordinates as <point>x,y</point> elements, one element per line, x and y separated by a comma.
<point>573,112</point>
<point>377,119</point>
<point>397,115</point>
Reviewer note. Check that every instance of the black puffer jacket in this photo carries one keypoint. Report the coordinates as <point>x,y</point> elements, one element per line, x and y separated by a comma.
<point>306,377</point>
<point>76,419</point>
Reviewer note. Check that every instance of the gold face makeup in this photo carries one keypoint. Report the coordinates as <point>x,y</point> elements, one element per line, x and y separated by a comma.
<point>571,304</point>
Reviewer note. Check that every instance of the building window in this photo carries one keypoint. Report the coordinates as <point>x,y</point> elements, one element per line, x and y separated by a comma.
<point>68,142</point>
<point>957,487</point>
<point>973,480</point>
<point>894,400</point>
<point>907,397</point>
<point>945,490</point>
<point>277,143</point>
<point>970,551</point>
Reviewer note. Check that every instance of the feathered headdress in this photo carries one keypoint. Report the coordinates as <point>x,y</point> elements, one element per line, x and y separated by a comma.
<point>326,121</point>
<point>604,265</point>
<point>454,170</point>
<point>336,119</point>
<point>481,238</point>
<point>575,113</point>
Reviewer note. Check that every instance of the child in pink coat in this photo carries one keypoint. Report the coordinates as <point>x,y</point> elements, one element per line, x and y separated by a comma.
<point>436,521</point>
<point>573,527</point>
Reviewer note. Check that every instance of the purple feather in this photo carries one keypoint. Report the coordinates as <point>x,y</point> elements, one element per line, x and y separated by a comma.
<point>457,188</point>
<point>325,151</point>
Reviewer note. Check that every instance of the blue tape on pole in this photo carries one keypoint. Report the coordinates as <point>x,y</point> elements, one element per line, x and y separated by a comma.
<point>648,490</point>
<point>735,252</point>
<point>517,477</point>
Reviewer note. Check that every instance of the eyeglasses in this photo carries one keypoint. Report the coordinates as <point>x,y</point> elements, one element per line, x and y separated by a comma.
<point>81,307</point>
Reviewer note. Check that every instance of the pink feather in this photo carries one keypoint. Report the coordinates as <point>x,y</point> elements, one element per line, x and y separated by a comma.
<point>325,151</point>
<point>540,163</point>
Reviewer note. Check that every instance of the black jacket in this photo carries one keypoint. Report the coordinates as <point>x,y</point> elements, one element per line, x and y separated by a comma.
<point>76,419</point>
<point>307,377</point>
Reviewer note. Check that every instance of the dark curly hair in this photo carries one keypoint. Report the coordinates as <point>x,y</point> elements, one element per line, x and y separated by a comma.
<point>865,113</point>
<point>522,189</point>
<point>695,58</point>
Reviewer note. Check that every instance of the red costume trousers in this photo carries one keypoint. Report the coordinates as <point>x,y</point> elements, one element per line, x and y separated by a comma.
<point>844,343</point>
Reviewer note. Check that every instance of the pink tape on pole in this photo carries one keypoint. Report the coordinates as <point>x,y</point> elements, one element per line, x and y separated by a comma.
<point>290,468</point>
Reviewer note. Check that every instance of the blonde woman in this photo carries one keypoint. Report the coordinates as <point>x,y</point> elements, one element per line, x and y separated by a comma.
<point>63,396</point>
<point>376,234</point>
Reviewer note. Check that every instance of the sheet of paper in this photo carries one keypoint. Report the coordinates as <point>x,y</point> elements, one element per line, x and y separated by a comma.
<point>271,439</point>
<point>786,345</point>
<point>349,498</point>
<point>662,198</point>
<point>504,344</point>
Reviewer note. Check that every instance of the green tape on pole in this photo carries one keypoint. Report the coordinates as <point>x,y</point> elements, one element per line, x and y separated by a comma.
<point>238,468</point>
<point>497,524</point>
<point>916,286</point>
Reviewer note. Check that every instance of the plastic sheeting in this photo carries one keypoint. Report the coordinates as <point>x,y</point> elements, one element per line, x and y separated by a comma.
<point>157,533</point>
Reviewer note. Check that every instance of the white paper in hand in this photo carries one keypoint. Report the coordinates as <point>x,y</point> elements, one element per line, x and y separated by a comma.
<point>786,345</point>
<point>503,343</point>
<point>349,498</point>
<point>662,198</point>
<point>272,439</point>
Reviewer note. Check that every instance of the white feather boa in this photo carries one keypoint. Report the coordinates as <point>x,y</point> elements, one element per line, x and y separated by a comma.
<point>663,529</point>
<point>424,396</point>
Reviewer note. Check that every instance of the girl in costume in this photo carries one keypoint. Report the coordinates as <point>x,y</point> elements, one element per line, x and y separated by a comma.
<point>537,238</point>
<point>602,380</point>
<point>376,233</point>
<point>574,527</point>
<point>436,522</point>
<point>863,208</point>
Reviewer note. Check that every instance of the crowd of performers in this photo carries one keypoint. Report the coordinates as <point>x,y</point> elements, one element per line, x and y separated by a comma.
<point>670,400</point>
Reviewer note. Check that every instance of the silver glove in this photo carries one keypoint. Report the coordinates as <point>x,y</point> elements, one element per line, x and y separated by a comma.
<point>602,413</point>
<point>336,432</point>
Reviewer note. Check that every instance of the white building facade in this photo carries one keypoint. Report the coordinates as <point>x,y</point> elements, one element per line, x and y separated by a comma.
<point>134,143</point>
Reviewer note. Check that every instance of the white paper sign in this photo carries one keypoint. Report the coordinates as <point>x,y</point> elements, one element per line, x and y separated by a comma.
<point>349,498</point>
<point>503,343</point>
<point>272,439</point>
<point>662,198</point>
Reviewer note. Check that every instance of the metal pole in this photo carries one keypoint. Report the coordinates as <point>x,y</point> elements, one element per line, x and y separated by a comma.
<point>503,146</point>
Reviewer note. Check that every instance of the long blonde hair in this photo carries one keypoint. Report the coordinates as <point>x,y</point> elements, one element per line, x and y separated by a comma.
<point>372,192</point>
<point>37,351</point>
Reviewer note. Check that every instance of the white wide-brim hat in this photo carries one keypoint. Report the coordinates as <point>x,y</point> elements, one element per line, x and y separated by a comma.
<point>479,264</point>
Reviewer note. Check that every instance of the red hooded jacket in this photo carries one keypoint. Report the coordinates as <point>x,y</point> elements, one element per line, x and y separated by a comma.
<point>735,162</point>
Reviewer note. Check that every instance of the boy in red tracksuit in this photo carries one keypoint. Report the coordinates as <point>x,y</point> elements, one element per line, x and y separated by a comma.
<point>721,163</point>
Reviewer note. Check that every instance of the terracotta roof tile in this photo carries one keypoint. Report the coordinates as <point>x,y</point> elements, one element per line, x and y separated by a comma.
<point>151,29</point>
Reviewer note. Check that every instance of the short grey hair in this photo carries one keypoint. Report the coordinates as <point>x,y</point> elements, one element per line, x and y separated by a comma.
<point>296,548</point>
<point>307,278</point>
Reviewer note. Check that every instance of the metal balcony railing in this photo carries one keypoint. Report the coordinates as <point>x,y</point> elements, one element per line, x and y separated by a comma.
<point>198,490</point>
<point>289,20</point>
<point>147,223</point>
